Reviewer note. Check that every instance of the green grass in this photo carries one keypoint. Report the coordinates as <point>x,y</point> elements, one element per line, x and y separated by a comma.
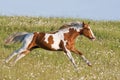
<point>104,52</point>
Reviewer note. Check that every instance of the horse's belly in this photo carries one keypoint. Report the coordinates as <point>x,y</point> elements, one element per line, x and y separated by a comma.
<point>52,47</point>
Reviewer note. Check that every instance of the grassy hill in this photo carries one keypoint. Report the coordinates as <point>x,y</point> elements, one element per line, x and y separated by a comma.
<point>104,52</point>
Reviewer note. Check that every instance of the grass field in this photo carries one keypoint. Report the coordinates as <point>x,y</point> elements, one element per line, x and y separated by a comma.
<point>104,52</point>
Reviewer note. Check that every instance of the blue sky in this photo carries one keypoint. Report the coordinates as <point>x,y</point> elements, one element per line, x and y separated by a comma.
<point>89,9</point>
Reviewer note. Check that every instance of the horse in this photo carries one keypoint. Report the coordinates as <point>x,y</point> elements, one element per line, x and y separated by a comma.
<point>61,40</point>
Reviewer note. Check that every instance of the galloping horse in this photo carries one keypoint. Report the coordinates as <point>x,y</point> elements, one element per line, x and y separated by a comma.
<point>60,40</point>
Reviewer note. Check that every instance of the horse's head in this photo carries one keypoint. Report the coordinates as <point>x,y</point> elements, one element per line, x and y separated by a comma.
<point>86,31</point>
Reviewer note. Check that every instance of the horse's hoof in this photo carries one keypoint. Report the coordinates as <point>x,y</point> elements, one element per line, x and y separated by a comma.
<point>4,62</point>
<point>89,64</point>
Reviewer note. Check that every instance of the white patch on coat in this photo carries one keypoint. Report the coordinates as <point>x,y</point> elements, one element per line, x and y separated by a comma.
<point>57,37</point>
<point>56,40</point>
<point>46,37</point>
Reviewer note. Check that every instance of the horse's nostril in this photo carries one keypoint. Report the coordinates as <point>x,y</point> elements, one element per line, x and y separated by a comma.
<point>93,38</point>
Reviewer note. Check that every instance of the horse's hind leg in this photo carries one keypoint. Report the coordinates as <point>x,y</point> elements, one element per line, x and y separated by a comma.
<point>15,53</point>
<point>24,49</point>
<point>11,56</point>
<point>21,55</point>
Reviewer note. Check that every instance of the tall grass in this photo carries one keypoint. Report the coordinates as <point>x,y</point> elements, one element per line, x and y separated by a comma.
<point>104,52</point>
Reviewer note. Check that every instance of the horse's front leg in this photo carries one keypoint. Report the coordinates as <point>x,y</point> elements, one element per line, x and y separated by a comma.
<point>82,56</point>
<point>69,55</point>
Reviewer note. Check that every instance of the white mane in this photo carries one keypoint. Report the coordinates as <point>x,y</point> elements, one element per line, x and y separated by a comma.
<point>72,24</point>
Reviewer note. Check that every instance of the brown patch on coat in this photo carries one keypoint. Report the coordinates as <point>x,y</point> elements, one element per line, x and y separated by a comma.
<point>50,40</point>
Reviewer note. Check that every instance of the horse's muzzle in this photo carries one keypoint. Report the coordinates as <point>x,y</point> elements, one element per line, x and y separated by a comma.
<point>92,38</point>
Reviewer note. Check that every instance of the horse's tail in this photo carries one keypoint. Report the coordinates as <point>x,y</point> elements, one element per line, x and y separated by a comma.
<point>16,37</point>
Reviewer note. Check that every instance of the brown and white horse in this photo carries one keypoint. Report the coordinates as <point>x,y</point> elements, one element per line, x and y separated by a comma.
<point>61,40</point>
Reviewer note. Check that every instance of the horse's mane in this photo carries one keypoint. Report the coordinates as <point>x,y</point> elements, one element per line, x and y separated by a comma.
<point>70,24</point>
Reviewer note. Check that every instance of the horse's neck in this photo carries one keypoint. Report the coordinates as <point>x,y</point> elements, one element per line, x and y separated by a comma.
<point>70,34</point>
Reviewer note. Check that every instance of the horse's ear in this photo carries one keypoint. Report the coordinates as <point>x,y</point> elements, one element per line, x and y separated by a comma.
<point>83,24</point>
